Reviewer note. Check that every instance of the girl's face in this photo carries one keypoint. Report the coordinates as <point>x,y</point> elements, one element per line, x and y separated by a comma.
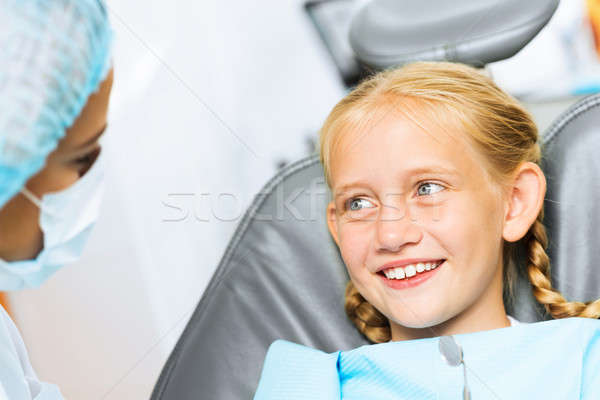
<point>405,196</point>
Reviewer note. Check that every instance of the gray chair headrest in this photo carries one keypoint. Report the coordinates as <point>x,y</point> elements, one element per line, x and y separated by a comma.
<point>387,33</point>
<point>282,278</point>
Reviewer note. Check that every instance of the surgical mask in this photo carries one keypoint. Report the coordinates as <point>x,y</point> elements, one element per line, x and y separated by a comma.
<point>66,219</point>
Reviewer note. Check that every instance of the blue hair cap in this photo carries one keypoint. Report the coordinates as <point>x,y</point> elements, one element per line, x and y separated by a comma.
<point>53,55</point>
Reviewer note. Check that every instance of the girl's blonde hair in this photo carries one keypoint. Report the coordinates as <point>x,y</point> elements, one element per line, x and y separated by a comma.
<point>498,127</point>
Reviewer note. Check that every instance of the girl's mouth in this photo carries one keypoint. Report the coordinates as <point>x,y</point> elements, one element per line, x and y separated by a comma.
<point>410,275</point>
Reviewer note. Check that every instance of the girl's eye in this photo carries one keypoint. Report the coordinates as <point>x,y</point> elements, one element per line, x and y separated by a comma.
<point>429,188</point>
<point>358,204</point>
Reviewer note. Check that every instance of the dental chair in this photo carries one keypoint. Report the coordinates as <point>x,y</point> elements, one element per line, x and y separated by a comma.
<point>281,276</point>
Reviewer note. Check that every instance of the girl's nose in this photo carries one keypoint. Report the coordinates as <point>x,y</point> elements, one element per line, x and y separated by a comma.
<point>396,229</point>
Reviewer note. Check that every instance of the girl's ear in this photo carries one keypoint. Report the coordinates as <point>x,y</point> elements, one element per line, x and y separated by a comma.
<point>524,202</point>
<point>332,222</point>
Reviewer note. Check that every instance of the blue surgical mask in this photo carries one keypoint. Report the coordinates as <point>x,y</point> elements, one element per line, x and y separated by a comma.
<point>66,219</point>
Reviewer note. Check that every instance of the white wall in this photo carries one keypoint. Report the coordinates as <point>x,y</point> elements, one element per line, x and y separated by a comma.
<point>103,328</point>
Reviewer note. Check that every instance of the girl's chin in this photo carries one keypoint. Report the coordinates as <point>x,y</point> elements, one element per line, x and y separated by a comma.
<point>412,322</point>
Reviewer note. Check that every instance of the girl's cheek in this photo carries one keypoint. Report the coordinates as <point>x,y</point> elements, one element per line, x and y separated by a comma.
<point>354,245</point>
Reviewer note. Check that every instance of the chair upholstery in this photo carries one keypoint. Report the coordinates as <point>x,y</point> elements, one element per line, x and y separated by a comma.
<point>572,167</point>
<point>387,33</point>
<point>282,278</point>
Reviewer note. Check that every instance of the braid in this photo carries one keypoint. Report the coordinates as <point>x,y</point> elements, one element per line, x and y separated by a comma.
<point>369,321</point>
<point>538,269</point>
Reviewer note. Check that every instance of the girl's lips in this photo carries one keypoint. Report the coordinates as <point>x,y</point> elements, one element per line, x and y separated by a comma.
<point>413,281</point>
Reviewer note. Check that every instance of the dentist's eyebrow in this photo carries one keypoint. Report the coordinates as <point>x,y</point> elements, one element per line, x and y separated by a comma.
<point>93,139</point>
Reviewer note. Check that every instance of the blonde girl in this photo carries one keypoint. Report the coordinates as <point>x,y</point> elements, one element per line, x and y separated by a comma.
<point>435,180</point>
<point>453,105</point>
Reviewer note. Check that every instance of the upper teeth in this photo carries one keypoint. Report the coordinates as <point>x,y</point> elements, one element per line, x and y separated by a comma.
<point>409,270</point>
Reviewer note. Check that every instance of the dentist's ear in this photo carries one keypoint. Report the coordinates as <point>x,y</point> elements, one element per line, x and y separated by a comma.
<point>524,201</point>
<point>332,222</point>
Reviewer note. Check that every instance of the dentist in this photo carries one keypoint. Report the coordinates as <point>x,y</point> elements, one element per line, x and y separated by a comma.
<point>55,82</point>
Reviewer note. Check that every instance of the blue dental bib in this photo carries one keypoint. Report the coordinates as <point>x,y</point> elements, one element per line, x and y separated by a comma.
<point>558,359</point>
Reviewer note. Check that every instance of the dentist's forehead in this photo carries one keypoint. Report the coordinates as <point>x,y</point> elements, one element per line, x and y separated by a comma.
<point>91,122</point>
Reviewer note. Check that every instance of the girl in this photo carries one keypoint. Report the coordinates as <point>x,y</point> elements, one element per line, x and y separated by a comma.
<point>435,179</point>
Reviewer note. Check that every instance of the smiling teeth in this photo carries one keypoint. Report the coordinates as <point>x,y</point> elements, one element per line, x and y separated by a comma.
<point>410,270</point>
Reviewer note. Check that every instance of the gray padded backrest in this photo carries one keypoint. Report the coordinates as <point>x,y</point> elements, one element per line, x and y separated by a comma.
<point>386,33</point>
<point>282,278</point>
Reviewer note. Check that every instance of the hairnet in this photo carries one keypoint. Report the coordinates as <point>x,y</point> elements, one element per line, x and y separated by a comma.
<point>53,55</point>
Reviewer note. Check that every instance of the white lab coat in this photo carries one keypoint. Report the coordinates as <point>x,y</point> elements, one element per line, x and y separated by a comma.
<point>18,380</point>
